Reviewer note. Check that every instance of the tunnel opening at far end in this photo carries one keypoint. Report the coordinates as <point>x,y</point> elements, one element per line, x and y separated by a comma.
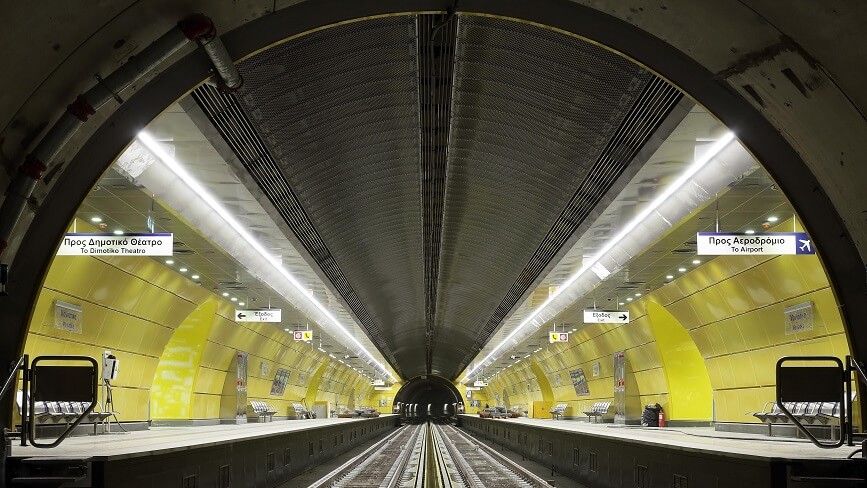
<point>427,397</point>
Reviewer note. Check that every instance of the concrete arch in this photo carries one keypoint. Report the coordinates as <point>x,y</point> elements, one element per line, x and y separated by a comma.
<point>750,87</point>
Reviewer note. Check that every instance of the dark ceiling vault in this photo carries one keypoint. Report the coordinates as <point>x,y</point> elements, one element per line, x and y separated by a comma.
<point>433,166</point>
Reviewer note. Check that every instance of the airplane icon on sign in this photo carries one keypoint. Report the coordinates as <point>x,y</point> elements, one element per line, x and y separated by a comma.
<point>805,245</point>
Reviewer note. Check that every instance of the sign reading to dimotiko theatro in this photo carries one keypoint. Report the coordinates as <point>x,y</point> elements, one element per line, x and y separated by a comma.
<point>116,245</point>
<point>771,243</point>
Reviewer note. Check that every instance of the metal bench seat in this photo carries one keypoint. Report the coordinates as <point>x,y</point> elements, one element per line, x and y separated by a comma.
<point>599,409</point>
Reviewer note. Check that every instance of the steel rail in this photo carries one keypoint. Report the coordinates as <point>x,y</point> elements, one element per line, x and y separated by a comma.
<point>504,464</point>
<point>346,468</point>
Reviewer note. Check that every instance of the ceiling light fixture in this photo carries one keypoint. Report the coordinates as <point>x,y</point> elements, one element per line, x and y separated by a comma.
<point>669,277</point>
<point>234,299</point>
<point>96,220</point>
<point>183,270</point>
<point>241,303</point>
<point>118,232</point>
<point>169,261</point>
<point>694,168</point>
<point>749,231</point>
<point>151,144</point>
<point>225,294</point>
<point>696,261</point>
<point>629,299</point>
<point>682,270</point>
<point>195,277</point>
<point>773,219</point>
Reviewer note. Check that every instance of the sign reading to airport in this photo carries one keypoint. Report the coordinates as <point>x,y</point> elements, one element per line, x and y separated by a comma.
<point>89,244</point>
<point>771,243</point>
<point>304,335</point>
<point>558,337</point>
<point>605,317</point>
<point>267,315</point>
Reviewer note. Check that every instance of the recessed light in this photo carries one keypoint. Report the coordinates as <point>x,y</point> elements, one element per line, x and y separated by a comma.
<point>183,270</point>
<point>621,303</point>
<point>696,261</point>
<point>195,277</point>
<point>241,303</point>
<point>96,220</point>
<point>638,294</point>
<point>118,232</point>
<point>749,231</point>
<point>682,270</point>
<point>287,330</point>
<point>629,299</point>
<point>234,299</point>
<point>669,277</point>
<point>225,294</point>
<point>169,261</point>
<point>773,219</point>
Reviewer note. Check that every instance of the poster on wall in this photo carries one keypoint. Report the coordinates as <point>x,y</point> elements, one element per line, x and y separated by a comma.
<point>799,318</point>
<point>476,403</point>
<point>278,386</point>
<point>67,316</point>
<point>579,382</point>
<point>596,369</point>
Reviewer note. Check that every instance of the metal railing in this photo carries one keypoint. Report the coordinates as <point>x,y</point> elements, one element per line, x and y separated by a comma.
<point>21,365</point>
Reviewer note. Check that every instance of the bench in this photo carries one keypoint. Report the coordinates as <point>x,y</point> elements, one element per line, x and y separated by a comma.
<point>557,411</point>
<point>300,412</point>
<point>599,409</point>
<point>261,410</point>
<point>808,413</point>
<point>60,412</point>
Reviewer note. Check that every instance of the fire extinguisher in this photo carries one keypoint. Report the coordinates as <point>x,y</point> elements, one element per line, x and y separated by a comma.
<point>661,418</point>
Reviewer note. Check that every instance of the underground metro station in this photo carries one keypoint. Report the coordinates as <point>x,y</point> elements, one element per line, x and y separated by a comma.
<point>433,243</point>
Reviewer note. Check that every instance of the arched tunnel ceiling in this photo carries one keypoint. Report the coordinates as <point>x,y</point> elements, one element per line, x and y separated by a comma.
<point>432,167</point>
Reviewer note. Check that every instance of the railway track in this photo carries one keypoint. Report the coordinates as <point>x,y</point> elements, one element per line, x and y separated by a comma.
<point>472,464</point>
<point>430,456</point>
<point>386,464</point>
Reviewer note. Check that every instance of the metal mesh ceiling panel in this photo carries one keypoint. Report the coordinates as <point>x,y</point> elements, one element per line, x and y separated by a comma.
<point>534,110</point>
<point>432,178</point>
<point>338,110</point>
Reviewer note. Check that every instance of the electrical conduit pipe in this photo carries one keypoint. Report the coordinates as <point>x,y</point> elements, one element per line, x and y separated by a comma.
<point>197,27</point>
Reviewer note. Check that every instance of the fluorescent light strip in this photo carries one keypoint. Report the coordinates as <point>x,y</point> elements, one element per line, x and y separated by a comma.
<point>199,190</point>
<point>698,164</point>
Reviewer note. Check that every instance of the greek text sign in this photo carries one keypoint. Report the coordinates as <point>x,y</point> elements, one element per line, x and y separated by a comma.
<point>67,316</point>
<point>269,315</point>
<point>116,245</point>
<point>605,317</point>
<point>772,243</point>
<point>799,318</point>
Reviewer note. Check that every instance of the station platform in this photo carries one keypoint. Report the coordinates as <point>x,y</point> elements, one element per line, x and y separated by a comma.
<point>252,454</point>
<point>165,440</point>
<point>697,439</point>
<point>607,455</point>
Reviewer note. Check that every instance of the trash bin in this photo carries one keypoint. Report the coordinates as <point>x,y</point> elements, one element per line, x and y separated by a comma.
<point>650,416</point>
